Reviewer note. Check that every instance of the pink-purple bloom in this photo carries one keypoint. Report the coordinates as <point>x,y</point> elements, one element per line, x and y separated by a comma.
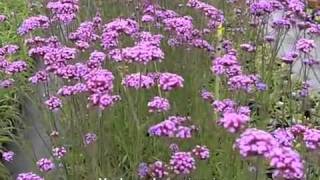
<point>90,138</point>
<point>59,152</point>
<point>45,164</point>
<point>201,152</point>
<point>233,122</point>
<point>138,81</point>
<point>170,81</point>
<point>158,104</point>
<point>28,176</point>
<point>54,103</point>
<point>305,45</point>
<point>182,163</point>
<point>8,156</point>
<point>33,23</point>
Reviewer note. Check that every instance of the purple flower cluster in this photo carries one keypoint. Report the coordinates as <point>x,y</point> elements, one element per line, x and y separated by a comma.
<point>8,156</point>
<point>290,57</point>
<point>138,81</point>
<point>170,81</point>
<point>40,76</point>
<point>311,138</point>
<point>158,104</point>
<point>214,15</point>
<point>90,138</point>
<point>287,163</point>
<point>84,35</point>
<point>96,59</point>
<point>32,23</point>
<point>72,90</point>
<point>284,137</point>
<point>64,10</point>
<point>254,142</point>
<point>103,100</point>
<point>207,95</point>
<point>54,103</point>
<point>182,163</point>
<point>3,18</point>
<point>7,83</point>
<point>243,82</point>
<point>59,152</point>
<point>28,176</point>
<point>145,50</point>
<point>201,152</point>
<point>45,165</point>
<point>305,45</point>
<point>226,65</point>
<point>173,126</point>
<point>233,122</point>
<point>99,81</point>
<point>113,30</point>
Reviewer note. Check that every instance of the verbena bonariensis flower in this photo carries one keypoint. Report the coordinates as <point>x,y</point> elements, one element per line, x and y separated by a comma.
<point>103,100</point>
<point>304,91</point>
<point>16,67</point>
<point>254,142</point>
<point>207,95</point>
<point>261,7</point>
<point>96,59</point>
<point>314,29</point>
<point>40,76</point>
<point>113,29</point>
<point>202,44</point>
<point>284,137</point>
<point>3,18</point>
<point>173,126</point>
<point>158,169</point>
<point>311,138</point>
<point>233,122</point>
<point>158,104</point>
<point>7,156</point>
<point>226,65</point>
<point>55,58</point>
<point>33,23</point>
<point>86,33</point>
<point>54,103</point>
<point>223,106</point>
<point>305,45</point>
<point>182,27</point>
<point>3,64</point>
<point>242,82</point>
<point>70,71</point>
<point>45,164</point>
<point>90,138</point>
<point>143,170</point>
<point>64,10</point>
<point>184,132</point>
<point>214,15</point>
<point>6,83</point>
<point>9,49</point>
<point>99,81</point>
<point>289,57</point>
<point>147,49</point>
<point>201,152</point>
<point>182,163</point>
<point>28,176</point>
<point>281,23</point>
<point>137,81</point>
<point>72,90</point>
<point>298,129</point>
<point>287,163</point>
<point>59,152</point>
<point>296,6</point>
<point>248,47</point>
<point>169,81</point>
